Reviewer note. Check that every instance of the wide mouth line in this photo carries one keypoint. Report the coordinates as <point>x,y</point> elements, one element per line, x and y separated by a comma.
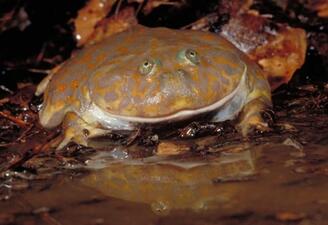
<point>180,115</point>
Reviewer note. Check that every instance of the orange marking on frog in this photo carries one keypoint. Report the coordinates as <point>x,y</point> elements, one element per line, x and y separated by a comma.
<point>61,87</point>
<point>74,84</point>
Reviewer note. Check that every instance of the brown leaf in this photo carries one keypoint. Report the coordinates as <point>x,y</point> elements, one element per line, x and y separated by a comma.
<point>89,16</point>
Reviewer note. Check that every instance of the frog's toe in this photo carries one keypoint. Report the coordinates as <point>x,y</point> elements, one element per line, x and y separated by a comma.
<point>73,135</point>
<point>80,136</point>
<point>64,142</point>
<point>248,127</point>
<point>78,131</point>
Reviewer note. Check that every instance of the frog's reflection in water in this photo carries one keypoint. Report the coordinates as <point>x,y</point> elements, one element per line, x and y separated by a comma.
<point>175,184</point>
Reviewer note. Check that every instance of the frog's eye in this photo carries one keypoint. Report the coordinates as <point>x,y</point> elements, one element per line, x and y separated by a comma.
<point>146,67</point>
<point>190,55</point>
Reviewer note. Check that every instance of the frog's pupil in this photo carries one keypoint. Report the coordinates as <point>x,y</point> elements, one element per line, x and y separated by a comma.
<point>146,64</point>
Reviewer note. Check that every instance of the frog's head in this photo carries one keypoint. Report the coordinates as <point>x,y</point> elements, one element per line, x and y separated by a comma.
<point>166,80</point>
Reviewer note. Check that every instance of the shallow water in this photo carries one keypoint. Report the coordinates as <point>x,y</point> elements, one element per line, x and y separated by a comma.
<point>263,184</point>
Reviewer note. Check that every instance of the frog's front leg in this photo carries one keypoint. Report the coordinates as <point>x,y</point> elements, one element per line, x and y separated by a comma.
<point>251,115</point>
<point>77,130</point>
<point>258,101</point>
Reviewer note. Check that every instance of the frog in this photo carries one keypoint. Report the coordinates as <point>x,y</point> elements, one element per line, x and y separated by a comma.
<point>148,76</point>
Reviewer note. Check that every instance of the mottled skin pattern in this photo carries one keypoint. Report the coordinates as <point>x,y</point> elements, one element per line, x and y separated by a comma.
<point>153,75</point>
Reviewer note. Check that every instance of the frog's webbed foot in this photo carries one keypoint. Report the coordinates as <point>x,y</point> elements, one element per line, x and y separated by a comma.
<point>77,130</point>
<point>251,117</point>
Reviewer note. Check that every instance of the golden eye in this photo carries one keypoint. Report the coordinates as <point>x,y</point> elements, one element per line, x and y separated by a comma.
<point>192,56</point>
<point>188,56</point>
<point>146,67</point>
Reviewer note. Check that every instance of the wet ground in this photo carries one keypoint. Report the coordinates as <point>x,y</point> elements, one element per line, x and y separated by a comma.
<point>271,183</point>
<point>266,184</point>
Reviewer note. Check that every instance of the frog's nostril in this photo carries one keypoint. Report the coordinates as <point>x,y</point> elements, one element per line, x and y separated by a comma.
<point>181,72</point>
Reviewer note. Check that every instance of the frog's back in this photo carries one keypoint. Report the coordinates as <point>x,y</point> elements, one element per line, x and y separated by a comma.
<point>73,86</point>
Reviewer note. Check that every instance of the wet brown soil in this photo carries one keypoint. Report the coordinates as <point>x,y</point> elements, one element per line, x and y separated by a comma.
<point>266,184</point>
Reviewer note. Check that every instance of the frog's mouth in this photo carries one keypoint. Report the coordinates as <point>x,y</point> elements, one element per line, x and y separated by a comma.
<point>114,121</point>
